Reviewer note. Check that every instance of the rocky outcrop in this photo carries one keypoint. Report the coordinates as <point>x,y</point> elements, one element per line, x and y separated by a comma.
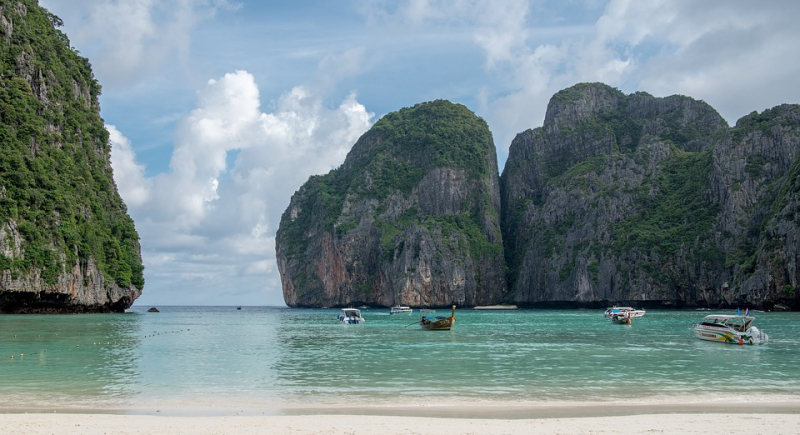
<point>756,181</point>
<point>652,201</point>
<point>616,198</point>
<point>67,243</point>
<point>411,217</point>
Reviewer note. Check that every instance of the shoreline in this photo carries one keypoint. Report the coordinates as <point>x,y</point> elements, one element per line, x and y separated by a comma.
<point>774,415</point>
<point>475,410</point>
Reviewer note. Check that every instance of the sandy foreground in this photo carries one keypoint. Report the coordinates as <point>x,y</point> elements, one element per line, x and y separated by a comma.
<point>771,420</point>
<point>99,424</point>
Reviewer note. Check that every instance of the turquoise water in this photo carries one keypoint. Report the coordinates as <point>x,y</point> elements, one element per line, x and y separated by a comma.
<point>276,357</point>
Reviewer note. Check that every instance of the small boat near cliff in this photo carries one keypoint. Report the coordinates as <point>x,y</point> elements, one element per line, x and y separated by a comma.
<point>622,318</point>
<point>350,316</point>
<point>429,321</point>
<point>623,315</point>
<point>733,329</point>
<point>400,309</point>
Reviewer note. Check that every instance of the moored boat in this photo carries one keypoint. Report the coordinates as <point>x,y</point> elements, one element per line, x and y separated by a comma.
<point>622,317</point>
<point>430,321</point>
<point>731,329</point>
<point>350,316</point>
<point>400,309</point>
<point>617,311</point>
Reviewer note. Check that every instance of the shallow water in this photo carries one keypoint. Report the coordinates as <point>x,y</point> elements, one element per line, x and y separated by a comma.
<point>273,357</point>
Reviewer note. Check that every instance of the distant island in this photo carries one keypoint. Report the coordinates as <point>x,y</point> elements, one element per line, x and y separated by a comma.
<point>633,199</point>
<point>67,243</point>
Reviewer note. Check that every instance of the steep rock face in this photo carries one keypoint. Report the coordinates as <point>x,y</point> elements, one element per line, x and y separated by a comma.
<point>66,241</point>
<point>755,180</point>
<point>651,200</point>
<point>411,217</point>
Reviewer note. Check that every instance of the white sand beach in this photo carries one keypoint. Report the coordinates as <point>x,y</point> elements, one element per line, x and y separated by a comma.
<point>102,424</point>
<point>773,418</point>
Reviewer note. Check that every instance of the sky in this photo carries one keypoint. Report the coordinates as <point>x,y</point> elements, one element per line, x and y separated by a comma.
<point>219,110</point>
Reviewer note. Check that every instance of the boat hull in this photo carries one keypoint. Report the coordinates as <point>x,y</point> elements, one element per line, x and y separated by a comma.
<point>351,321</point>
<point>751,336</point>
<point>621,319</point>
<point>437,323</point>
<point>400,310</point>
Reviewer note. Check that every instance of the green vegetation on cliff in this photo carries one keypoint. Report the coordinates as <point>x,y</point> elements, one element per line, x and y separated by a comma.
<point>411,216</point>
<point>671,212</point>
<point>636,198</point>
<point>391,159</point>
<point>56,183</point>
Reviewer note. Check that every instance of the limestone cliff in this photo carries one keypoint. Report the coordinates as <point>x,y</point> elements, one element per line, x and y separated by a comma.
<point>66,241</point>
<point>411,217</point>
<point>652,201</point>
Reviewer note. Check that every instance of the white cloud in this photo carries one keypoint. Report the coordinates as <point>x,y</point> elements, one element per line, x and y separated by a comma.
<point>737,56</point>
<point>217,221</point>
<point>226,119</point>
<point>337,66</point>
<point>128,174</point>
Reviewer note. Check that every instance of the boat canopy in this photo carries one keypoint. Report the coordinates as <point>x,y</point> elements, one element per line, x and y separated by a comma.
<point>726,320</point>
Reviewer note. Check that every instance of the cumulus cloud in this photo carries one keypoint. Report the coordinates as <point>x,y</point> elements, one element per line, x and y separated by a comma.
<point>128,174</point>
<point>337,66</point>
<point>212,219</point>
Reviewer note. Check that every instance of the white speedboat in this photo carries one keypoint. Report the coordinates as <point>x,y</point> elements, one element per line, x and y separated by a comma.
<point>400,309</point>
<point>350,316</point>
<point>623,315</point>
<point>732,329</point>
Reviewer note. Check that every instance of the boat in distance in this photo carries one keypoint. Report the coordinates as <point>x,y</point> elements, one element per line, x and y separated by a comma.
<point>400,309</point>
<point>429,321</point>
<point>350,316</point>
<point>633,312</point>
<point>623,315</point>
<point>731,329</point>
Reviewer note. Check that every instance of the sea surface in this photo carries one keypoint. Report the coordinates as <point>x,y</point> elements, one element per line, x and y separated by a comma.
<point>272,358</point>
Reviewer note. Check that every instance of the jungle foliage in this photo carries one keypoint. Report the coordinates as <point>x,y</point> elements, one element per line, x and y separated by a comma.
<point>391,159</point>
<point>56,182</point>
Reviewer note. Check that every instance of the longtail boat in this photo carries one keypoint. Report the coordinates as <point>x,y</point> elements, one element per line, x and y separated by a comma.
<point>430,321</point>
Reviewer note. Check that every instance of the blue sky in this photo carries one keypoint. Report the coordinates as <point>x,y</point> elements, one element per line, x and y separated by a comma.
<point>219,110</point>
